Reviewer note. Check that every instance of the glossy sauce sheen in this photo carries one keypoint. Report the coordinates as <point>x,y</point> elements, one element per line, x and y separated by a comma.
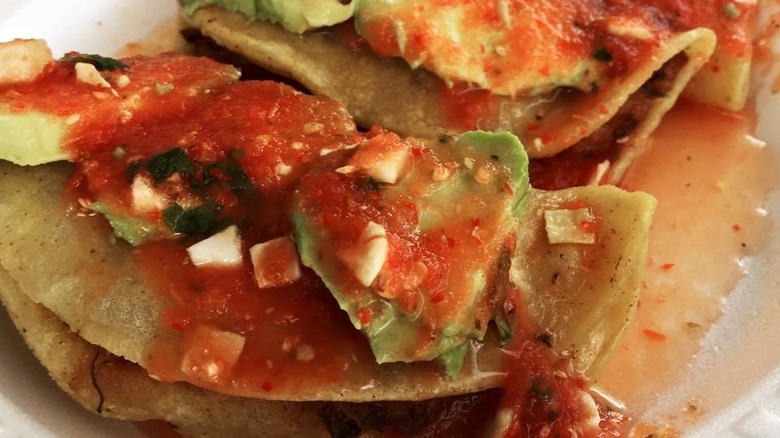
<point>269,124</point>
<point>711,179</point>
<point>205,305</point>
<point>727,19</point>
<point>683,290</point>
<point>274,127</point>
<point>465,104</point>
<point>265,119</point>
<point>432,250</point>
<point>540,43</point>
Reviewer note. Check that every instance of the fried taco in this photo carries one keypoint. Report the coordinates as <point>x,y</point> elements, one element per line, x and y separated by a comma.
<point>231,238</point>
<point>579,82</point>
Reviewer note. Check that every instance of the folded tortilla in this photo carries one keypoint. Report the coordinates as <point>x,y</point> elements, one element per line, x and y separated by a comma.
<point>115,388</point>
<point>618,117</point>
<point>74,267</point>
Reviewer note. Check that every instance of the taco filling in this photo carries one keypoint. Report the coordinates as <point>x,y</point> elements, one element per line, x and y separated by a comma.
<point>247,238</point>
<point>582,84</point>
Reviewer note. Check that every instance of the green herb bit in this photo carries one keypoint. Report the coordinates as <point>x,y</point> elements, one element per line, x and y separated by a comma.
<point>118,152</point>
<point>541,390</point>
<point>731,10</point>
<point>166,164</point>
<point>229,171</point>
<point>603,55</point>
<point>239,181</point>
<point>198,220</point>
<point>204,176</point>
<point>101,63</point>
<point>161,88</point>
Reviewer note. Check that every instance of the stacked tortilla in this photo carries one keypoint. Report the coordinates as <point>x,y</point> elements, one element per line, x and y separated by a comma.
<point>76,296</point>
<point>611,121</point>
<point>91,317</point>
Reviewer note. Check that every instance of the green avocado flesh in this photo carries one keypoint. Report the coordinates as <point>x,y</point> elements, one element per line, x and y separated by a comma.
<point>33,134</point>
<point>131,229</point>
<point>477,43</point>
<point>294,15</point>
<point>31,138</point>
<point>436,234</point>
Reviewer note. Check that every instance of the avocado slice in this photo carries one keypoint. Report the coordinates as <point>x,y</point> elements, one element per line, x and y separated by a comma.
<point>294,15</point>
<point>492,45</point>
<point>412,258</point>
<point>40,118</point>
<point>31,138</point>
<point>134,230</point>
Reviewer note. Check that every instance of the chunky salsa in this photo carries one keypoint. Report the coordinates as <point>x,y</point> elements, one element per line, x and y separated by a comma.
<point>176,148</point>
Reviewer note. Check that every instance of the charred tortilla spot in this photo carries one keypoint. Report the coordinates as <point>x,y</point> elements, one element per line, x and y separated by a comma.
<point>339,425</point>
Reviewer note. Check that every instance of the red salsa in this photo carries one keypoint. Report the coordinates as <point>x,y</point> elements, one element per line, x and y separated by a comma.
<point>602,31</point>
<point>218,155</point>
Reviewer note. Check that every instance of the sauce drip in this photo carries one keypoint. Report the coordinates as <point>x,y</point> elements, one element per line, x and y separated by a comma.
<point>669,323</point>
<point>710,182</point>
<point>292,336</point>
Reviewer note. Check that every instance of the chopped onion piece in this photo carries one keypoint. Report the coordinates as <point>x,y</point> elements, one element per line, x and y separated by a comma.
<point>221,249</point>
<point>211,354</point>
<point>367,257</point>
<point>570,226</point>
<point>589,412</point>
<point>382,162</point>
<point>88,74</point>
<point>23,60</point>
<point>388,169</point>
<point>598,174</point>
<point>275,262</point>
<point>145,198</point>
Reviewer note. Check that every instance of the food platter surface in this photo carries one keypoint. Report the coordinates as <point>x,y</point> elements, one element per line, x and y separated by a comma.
<point>739,349</point>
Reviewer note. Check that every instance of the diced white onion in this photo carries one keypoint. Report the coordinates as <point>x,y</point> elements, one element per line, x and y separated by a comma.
<point>88,74</point>
<point>122,81</point>
<point>567,226</point>
<point>145,198</point>
<point>282,169</point>
<point>389,167</point>
<point>221,249</point>
<point>598,174</point>
<point>589,412</point>
<point>275,262</point>
<point>382,162</point>
<point>211,354</point>
<point>23,60</point>
<point>629,28</point>
<point>369,254</point>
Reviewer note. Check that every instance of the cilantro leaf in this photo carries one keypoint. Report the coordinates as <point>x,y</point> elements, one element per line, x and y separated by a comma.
<point>239,181</point>
<point>603,55</point>
<point>167,163</point>
<point>101,63</point>
<point>198,220</point>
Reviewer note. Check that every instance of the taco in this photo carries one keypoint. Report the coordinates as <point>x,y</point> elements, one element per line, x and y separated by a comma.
<point>578,82</point>
<point>210,230</point>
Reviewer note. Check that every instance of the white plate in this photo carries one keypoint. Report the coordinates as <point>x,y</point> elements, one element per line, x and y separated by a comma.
<point>30,404</point>
<point>738,372</point>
